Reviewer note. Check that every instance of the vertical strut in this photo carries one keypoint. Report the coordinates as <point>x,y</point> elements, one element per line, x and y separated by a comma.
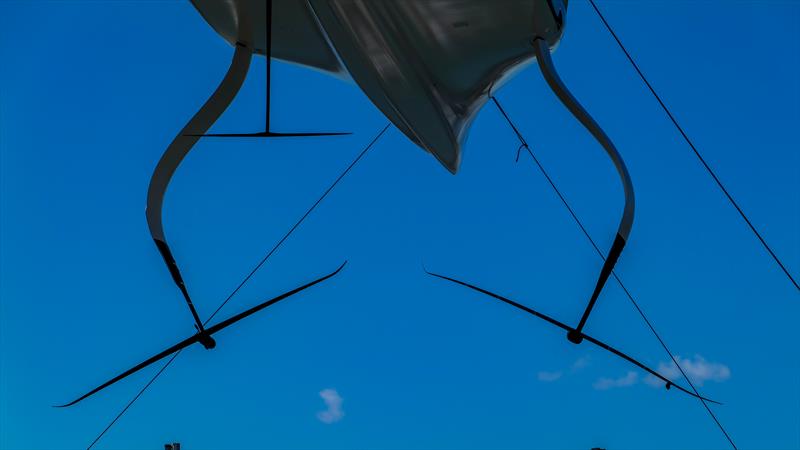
<point>268,133</point>
<point>626,222</point>
<point>269,63</point>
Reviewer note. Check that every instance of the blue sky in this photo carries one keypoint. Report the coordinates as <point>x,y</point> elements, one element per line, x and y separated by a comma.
<point>384,356</point>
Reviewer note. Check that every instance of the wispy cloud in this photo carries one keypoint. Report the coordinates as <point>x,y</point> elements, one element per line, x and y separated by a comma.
<point>580,363</point>
<point>629,379</point>
<point>333,401</point>
<point>698,369</point>
<point>548,377</point>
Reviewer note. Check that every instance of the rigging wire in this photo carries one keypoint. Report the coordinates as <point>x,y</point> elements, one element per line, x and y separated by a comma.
<point>694,149</point>
<point>524,145</point>
<point>247,278</point>
<point>136,397</point>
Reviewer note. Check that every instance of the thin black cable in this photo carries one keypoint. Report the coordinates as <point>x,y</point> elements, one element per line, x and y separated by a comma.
<point>522,141</point>
<point>297,224</point>
<point>141,391</point>
<point>613,273</point>
<point>249,275</point>
<point>694,149</point>
<point>549,180</point>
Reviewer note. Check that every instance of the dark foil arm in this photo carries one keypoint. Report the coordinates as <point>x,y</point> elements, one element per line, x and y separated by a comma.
<point>626,222</point>
<point>179,148</point>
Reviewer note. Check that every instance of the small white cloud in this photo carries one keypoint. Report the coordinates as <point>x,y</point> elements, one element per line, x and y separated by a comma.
<point>548,377</point>
<point>333,401</point>
<point>629,379</point>
<point>580,363</point>
<point>698,369</point>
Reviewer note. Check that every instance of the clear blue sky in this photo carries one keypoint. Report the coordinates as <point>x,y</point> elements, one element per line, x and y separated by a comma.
<point>91,93</point>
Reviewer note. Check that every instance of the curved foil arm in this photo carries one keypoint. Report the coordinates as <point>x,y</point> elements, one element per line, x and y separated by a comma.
<point>668,383</point>
<point>198,337</point>
<point>554,81</point>
<point>179,148</point>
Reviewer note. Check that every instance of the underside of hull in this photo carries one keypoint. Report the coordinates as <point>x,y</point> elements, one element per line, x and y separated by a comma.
<point>429,66</point>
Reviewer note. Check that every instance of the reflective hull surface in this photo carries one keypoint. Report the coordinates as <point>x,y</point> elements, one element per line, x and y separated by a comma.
<point>429,66</point>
